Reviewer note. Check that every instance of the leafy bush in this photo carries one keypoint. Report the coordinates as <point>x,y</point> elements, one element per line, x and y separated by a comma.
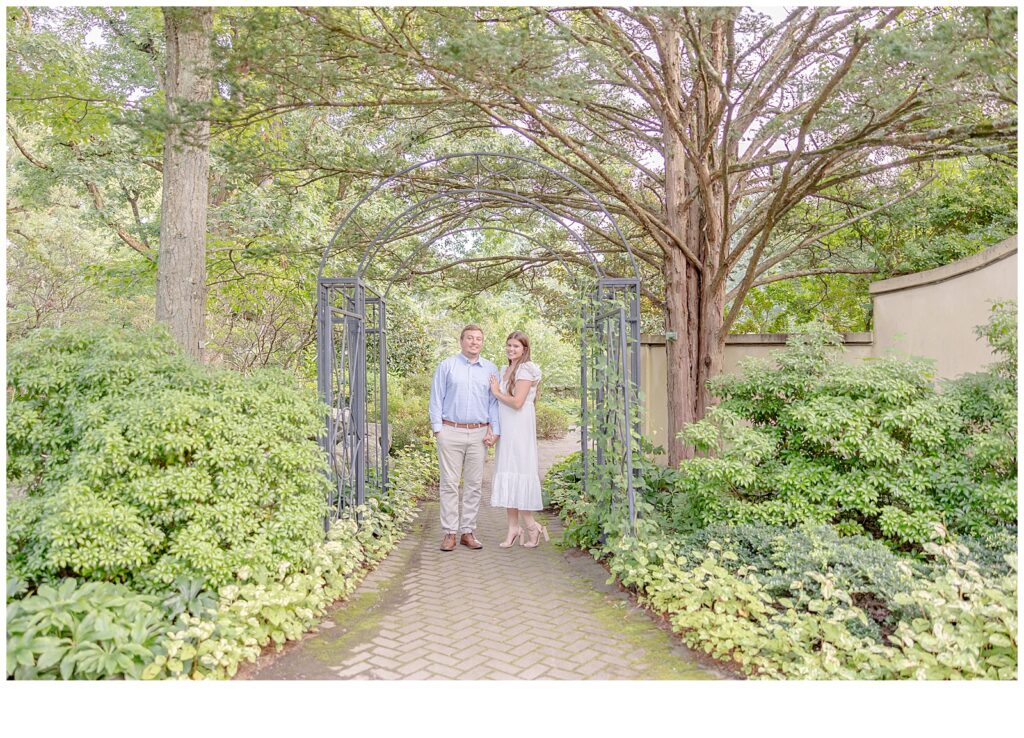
<point>408,353</point>
<point>137,465</point>
<point>562,488</point>
<point>551,422</point>
<point>565,401</point>
<point>261,608</point>
<point>987,403</point>
<point>784,560</point>
<point>408,412</point>
<point>966,624</point>
<point>765,551</point>
<point>963,624</point>
<point>1001,333</point>
<point>872,449</point>
<point>413,472</point>
<point>990,552</point>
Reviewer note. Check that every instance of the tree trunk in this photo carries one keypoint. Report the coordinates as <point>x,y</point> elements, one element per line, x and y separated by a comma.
<point>694,307</point>
<point>694,317</point>
<point>181,262</point>
<point>680,353</point>
<point>711,354</point>
<point>679,293</point>
<point>711,315</point>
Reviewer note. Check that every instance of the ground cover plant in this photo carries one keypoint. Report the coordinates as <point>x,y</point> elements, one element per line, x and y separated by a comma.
<point>167,519</point>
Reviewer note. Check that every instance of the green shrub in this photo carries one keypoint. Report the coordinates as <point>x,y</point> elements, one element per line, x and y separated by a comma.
<point>408,411</point>
<point>783,556</point>
<point>956,623</point>
<point>765,552</point>
<point>1001,334</point>
<point>965,624</point>
<point>415,471</point>
<point>989,552</point>
<point>551,422</point>
<point>140,466</point>
<point>987,401</point>
<point>562,488</point>
<point>225,464</point>
<point>261,608</point>
<point>871,449</point>
<point>565,401</point>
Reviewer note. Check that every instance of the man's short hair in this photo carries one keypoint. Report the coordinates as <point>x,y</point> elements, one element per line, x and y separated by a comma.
<point>470,327</point>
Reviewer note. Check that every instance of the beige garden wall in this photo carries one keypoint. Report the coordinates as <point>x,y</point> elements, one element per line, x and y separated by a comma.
<point>930,314</point>
<point>933,313</point>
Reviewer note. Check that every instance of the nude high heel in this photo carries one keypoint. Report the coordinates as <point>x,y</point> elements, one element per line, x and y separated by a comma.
<point>518,536</point>
<point>541,530</point>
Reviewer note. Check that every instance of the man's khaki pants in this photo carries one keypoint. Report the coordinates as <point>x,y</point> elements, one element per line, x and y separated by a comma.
<point>461,452</point>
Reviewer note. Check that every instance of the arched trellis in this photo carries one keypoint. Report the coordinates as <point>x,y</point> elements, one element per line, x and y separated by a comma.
<point>352,330</point>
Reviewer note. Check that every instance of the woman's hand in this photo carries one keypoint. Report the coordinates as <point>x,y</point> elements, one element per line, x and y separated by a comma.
<point>495,387</point>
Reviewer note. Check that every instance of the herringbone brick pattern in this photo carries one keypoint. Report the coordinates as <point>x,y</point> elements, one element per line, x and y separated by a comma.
<point>488,614</point>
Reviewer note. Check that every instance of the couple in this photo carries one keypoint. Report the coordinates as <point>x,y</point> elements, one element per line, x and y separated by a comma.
<point>473,406</point>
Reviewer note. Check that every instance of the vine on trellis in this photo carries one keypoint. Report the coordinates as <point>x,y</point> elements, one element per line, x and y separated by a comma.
<point>611,413</point>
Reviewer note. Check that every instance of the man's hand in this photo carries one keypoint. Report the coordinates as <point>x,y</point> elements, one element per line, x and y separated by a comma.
<point>490,439</point>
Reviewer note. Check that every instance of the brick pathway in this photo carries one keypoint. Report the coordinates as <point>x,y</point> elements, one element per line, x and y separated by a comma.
<point>489,614</point>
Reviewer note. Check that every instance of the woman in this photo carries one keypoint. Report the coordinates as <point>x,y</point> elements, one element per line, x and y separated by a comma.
<point>516,483</point>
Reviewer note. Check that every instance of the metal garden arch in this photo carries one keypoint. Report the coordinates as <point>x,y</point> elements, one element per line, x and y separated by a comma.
<point>352,331</point>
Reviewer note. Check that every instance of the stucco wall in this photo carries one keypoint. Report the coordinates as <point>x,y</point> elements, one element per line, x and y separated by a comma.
<point>857,346</point>
<point>931,314</point>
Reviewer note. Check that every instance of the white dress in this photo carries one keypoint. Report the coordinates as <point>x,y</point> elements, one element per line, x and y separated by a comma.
<point>516,480</point>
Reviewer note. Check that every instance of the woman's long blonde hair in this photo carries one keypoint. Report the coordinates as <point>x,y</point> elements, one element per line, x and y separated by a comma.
<point>525,357</point>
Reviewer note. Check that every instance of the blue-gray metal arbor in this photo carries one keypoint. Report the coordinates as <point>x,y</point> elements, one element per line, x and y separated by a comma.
<point>352,324</point>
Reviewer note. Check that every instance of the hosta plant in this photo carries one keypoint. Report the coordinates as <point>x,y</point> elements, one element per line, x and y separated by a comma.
<point>83,630</point>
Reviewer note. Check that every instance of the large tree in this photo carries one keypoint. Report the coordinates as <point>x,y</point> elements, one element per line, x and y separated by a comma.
<point>712,131</point>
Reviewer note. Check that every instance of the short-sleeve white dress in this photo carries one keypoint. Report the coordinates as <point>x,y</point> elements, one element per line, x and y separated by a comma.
<point>516,480</point>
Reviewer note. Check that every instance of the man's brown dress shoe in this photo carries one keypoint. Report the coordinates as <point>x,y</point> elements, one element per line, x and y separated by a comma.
<point>468,539</point>
<point>448,544</point>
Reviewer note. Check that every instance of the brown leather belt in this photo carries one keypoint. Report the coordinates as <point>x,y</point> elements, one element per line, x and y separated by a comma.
<point>470,426</point>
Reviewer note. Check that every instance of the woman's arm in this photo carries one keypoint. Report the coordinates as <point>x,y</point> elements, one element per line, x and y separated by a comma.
<point>513,401</point>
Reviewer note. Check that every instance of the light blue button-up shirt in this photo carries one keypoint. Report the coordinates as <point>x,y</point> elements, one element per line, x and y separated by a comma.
<point>461,393</point>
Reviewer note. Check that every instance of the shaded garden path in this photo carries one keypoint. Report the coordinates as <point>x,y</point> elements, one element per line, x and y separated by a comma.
<point>487,614</point>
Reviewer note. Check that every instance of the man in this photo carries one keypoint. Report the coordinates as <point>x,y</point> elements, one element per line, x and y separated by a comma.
<point>464,417</point>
